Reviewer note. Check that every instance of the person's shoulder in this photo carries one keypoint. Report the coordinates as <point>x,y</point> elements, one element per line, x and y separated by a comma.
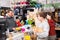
<point>46,20</point>
<point>51,20</point>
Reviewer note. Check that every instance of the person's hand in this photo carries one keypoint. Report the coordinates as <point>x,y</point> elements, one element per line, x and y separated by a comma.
<point>37,29</point>
<point>13,28</point>
<point>40,30</point>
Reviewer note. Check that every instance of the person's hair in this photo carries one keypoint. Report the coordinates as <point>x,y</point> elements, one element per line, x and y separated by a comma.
<point>9,10</point>
<point>42,14</point>
<point>50,14</point>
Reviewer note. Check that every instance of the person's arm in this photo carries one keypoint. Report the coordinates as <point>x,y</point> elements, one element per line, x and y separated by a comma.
<point>15,24</point>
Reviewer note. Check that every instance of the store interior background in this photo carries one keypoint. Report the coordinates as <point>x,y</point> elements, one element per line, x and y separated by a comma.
<point>52,6</point>
<point>45,5</point>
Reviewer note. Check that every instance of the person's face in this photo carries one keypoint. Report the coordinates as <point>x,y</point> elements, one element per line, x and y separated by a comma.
<point>39,18</point>
<point>11,14</point>
<point>48,17</point>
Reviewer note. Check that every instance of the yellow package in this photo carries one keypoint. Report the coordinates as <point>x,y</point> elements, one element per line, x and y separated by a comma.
<point>27,37</point>
<point>18,28</point>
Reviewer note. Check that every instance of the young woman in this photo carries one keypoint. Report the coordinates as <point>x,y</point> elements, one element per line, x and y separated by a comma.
<point>43,26</point>
<point>52,33</point>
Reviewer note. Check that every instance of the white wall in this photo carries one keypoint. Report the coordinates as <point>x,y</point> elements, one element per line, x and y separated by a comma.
<point>53,1</point>
<point>5,3</point>
<point>48,1</point>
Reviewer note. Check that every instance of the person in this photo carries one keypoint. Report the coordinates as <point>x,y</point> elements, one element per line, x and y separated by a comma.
<point>43,26</point>
<point>33,36</point>
<point>11,24</point>
<point>57,23</point>
<point>52,33</point>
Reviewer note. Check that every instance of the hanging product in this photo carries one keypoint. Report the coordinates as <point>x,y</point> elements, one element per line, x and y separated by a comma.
<point>32,3</point>
<point>34,0</point>
<point>56,5</point>
<point>35,4</point>
<point>38,5</point>
<point>48,8</point>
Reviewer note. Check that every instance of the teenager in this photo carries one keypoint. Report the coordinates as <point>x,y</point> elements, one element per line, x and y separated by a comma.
<point>52,33</point>
<point>42,23</point>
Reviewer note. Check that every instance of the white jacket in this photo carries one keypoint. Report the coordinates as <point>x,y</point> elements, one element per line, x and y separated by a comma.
<point>45,27</point>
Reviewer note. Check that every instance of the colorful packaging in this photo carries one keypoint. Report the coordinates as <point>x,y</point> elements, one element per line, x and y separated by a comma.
<point>27,37</point>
